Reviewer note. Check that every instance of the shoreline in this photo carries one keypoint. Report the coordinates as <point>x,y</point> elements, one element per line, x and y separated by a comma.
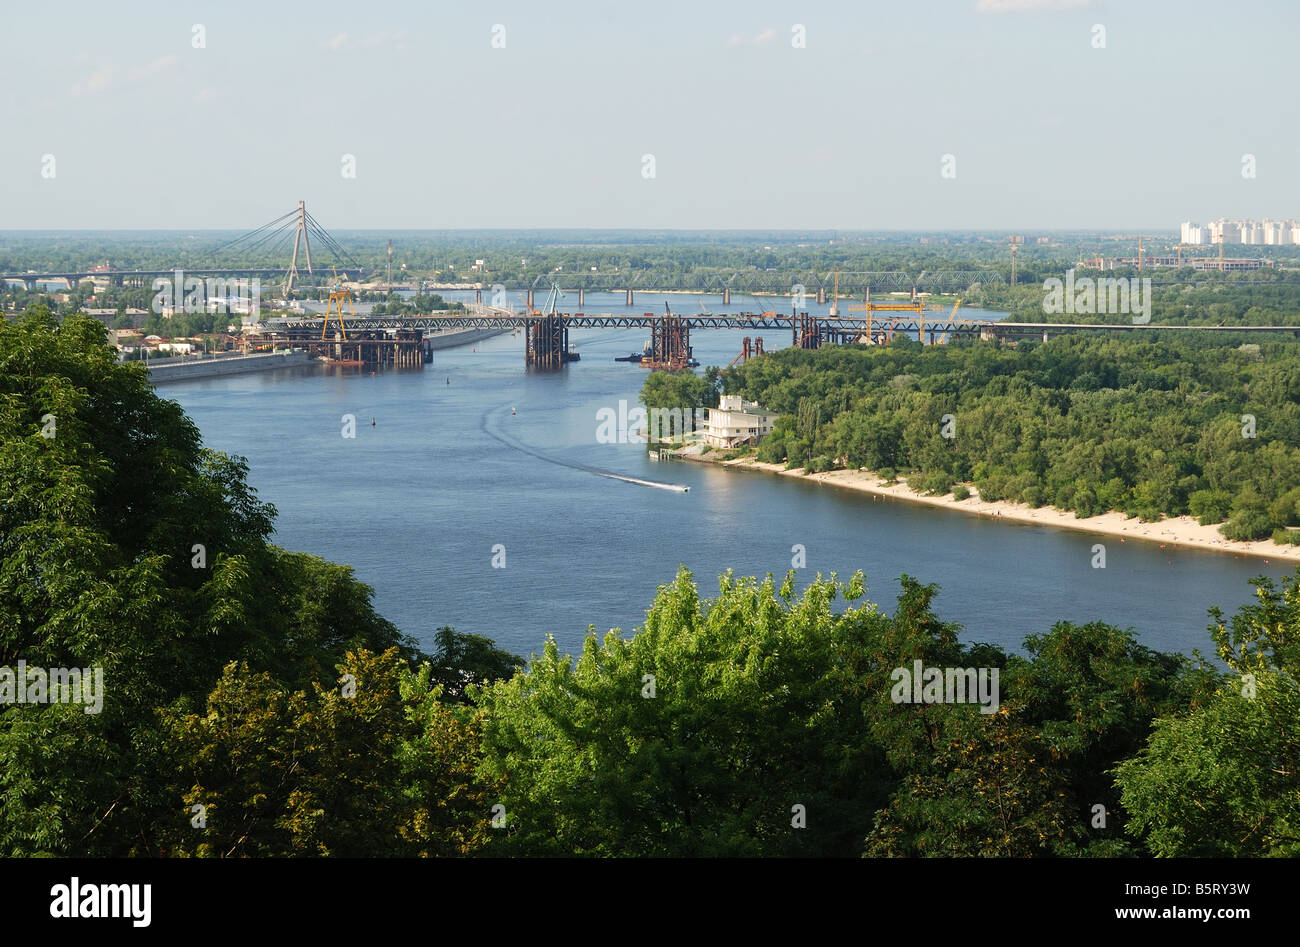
<point>1176,531</point>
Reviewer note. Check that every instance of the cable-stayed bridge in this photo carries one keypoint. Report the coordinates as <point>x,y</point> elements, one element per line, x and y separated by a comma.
<point>291,233</point>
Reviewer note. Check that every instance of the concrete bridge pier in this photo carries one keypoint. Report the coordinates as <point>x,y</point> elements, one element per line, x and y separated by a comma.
<point>629,299</point>
<point>581,297</point>
<point>478,295</point>
<point>530,300</point>
<point>726,297</point>
<point>821,295</point>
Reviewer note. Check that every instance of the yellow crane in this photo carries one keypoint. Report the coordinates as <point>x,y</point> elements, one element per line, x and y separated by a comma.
<point>338,293</point>
<point>916,306</point>
<point>952,317</point>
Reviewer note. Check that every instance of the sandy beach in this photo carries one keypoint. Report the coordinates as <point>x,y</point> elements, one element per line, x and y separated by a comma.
<point>1178,531</point>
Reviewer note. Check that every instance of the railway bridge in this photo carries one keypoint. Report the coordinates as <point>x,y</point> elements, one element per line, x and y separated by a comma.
<point>547,335</point>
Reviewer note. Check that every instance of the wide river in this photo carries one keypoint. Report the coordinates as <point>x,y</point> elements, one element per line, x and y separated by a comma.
<point>474,453</point>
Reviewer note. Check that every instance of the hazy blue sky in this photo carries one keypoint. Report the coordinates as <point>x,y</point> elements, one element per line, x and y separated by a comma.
<point>747,131</point>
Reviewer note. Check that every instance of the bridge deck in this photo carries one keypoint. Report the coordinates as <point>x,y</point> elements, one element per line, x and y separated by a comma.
<point>769,321</point>
<point>610,321</point>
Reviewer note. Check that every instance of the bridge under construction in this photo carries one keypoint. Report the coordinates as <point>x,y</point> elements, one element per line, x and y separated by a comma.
<point>547,335</point>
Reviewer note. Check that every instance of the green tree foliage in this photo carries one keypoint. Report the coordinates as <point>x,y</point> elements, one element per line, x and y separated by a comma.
<point>684,391</point>
<point>460,660</point>
<point>126,546</point>
<point>374,766</point>
<point>1224,778</point>
<point>1152,427</point>
<point>991,791</point>
<point>1024,781</point>
<point>755,711</point>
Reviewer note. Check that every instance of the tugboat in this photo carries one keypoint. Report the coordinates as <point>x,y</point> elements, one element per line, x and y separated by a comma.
<point>636,356</point>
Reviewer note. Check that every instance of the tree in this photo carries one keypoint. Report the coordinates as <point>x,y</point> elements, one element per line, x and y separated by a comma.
<point>685,391</point>
<point>1223,779</point>
<point>993,791</point>
<point>716,729</point>
<point>127,547</point>
<point>460,660</point>
<point>371,767</point>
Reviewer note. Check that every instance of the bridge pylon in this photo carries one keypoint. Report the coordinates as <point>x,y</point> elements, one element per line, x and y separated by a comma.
<point>300,237</point>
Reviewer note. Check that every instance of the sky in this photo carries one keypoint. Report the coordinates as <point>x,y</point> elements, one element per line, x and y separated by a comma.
<point>904,115</point>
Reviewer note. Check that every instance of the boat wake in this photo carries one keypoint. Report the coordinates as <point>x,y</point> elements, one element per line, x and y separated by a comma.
<point>658,484</point>
<point>511,442</point>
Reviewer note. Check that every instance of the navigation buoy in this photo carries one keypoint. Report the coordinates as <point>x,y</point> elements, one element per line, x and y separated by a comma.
<point>372,422</point>
<point>512,410</point>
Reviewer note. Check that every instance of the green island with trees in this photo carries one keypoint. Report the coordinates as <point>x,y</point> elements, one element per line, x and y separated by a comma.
<point>256,704</point>
<point>1151,426</point>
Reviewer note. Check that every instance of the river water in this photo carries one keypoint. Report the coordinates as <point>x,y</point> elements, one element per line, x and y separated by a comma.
<point>474,453</point>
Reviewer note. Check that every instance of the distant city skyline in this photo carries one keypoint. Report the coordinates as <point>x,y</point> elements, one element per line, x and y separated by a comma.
<point>1266,232</point>
<point>959,115</point>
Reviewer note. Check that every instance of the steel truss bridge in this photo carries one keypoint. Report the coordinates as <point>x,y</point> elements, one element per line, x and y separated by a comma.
<point>547,336</point>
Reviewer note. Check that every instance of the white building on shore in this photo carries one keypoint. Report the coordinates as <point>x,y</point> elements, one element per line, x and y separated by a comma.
<point>735,421</point>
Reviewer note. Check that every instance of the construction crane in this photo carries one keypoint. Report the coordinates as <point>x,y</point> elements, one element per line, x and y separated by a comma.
<point>759,303</point>
<point>1016,240</point>
<point>553,296</point>
<point>952,317</point>
<point>527,308</point>
<point>1179,247</point>
<point>1138,238</point>
<point>915,306</point>
<point>338,293</point>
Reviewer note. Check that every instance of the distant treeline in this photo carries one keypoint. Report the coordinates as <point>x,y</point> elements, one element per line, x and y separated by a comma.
<point>767,262</point>
<point>1260,297</point>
